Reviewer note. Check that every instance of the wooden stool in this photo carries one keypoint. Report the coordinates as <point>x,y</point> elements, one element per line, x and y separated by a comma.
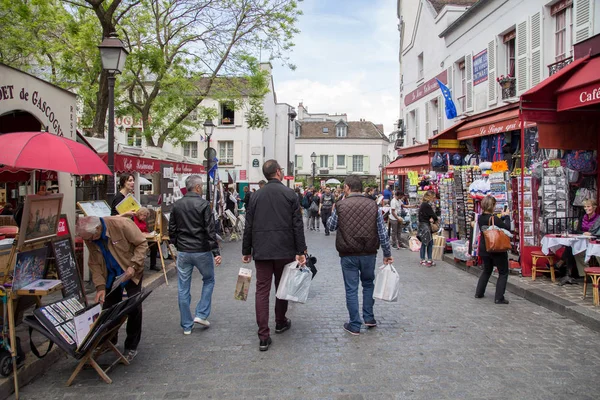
<point>535,255</point>
<point>594,273</point>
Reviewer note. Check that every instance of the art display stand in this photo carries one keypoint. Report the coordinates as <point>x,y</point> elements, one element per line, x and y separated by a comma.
<point>158,237</point>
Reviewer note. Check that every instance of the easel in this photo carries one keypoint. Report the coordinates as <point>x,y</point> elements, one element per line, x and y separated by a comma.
<point>11,297</point>
<point>158,238</point>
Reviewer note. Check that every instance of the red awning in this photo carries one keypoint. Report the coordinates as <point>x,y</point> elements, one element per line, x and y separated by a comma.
<point>539,103</point>
<point>582,89</point>
<point>446,139</point>
<point>412,150</point>
<point>498,123</point>
<point>405,165</point>
<point>125,163</point>
<point>8,174</point>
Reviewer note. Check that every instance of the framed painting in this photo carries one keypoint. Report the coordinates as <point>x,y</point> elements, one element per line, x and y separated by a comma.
<point>31,266</point>
<point>41,216</point>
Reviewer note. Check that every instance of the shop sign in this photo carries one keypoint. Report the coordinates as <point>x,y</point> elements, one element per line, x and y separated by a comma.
<point>428,87</point>
<point>480,67</point>
<point>243,175</point>
<point>63,227</point>
<point>406,170</point>
<point>139,165</point>
<point>255,163</point>
<point>130,122</point>
<point>577,98</point>
<point>446,144</point>
<point>183,168</point>
<point>288,178</point>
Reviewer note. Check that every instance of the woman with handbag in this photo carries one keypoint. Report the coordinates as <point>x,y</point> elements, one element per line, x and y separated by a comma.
<point>313,211</point>
<point>428,221</point>
<point>493,257</point>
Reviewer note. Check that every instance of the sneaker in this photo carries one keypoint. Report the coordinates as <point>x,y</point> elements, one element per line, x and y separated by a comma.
<point>503,301</point>
<point>432,263</point>
<point>130,354</point>
<point>187,331</point>
<point>423,262</point>
<point>371,324</point>
<point>348,329</point>
<point>395,248</point>
<point>264,344</point>
<point>428,263</point>
<point>283,328</point>
<point>201,321</point>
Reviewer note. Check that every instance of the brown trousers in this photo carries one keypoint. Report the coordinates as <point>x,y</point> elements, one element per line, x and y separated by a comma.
<point>265,270</point>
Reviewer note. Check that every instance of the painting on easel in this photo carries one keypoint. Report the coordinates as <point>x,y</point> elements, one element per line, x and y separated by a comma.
<point>30,266</point>
<point>40,218</point>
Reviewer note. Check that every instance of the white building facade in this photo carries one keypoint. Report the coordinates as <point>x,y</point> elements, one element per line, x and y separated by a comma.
<point>341,147</point>
<point>469,47</point>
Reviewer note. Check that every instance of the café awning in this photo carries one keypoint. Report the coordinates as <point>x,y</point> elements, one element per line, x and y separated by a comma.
<point>582,89</point>
<point>501,122</point>
<point>143,165</point>
<point>404,165</point>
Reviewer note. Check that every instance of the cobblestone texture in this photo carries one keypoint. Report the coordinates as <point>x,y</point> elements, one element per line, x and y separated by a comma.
<point>436,342</point>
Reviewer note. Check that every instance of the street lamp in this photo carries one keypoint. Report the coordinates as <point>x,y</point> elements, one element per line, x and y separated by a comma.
<point>209,154</point>
<point>381,177</point>
<point>113,55</point>
<point>313,158</point>
<point>291,116</point>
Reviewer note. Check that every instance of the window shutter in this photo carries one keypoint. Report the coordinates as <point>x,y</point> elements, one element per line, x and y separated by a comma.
<point>522,67</point>
<point>492,84</point>
<point>299,164</point>
<point>366,166</point>
<point>537,61</point>
<point>583,19</point>
<point>450,77</point>
<point>416,124</point>
<point>237,152</point>
<point>427,124</point>
<point>349,166</point>
<point>469,82</point>
<point>330,161</point>
<point>440,105</point>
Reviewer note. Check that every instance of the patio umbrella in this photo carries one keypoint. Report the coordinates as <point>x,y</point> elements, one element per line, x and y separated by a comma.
<point>332,181</point>
<point>43,150</point>
<point>144,181</point>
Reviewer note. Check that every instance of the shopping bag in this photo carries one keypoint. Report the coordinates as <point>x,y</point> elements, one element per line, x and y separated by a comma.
<point>295,283</point>
<point>414,244</point>
<point>243,284</point>
<point>387,283</point>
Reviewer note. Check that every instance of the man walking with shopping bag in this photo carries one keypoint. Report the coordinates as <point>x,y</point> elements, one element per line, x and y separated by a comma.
<point>274,236</point>
<point>360,233</point>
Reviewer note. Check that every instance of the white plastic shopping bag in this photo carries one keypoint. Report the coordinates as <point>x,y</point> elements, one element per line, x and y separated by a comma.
<point>387,283</point>
<point>295,283</point>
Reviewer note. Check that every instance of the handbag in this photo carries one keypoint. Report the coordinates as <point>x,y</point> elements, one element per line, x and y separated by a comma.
<point>581,161</point>
<point>435,226</point>
<point>496,241</point>
<point>314,208</point>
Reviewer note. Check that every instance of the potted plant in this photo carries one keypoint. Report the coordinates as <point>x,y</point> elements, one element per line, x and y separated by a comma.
<point>505,81</point>
<point>226,120</point>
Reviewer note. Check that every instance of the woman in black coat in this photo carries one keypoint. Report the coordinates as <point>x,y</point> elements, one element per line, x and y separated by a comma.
<point>426,217</point>
<point>490,260</point>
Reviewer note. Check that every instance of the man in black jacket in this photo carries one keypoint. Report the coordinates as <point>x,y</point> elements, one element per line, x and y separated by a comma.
<point>192,231</point>
<point>274,236</point>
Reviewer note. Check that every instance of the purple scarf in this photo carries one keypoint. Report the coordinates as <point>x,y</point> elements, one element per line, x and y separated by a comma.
<point>587,222</point>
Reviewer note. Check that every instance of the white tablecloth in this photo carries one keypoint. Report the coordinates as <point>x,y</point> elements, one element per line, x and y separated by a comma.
<point>593,249</point>
<point>579,243</point>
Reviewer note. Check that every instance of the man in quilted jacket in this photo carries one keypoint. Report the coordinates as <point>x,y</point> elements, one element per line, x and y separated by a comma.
<point>360,233</point>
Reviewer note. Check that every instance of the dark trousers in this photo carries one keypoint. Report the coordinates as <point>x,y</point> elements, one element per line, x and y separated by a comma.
<point>153,254</point>
<point>134,318</point>
<point>265,270</point>
<point>325,214</point>
<point>499,260</point>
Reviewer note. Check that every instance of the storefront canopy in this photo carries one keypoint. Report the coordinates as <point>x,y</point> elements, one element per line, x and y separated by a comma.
<point>504,121</point>
<point>126,163</point>
<point>8,174</point>
<point>408,164</point>
<point>582,89</point>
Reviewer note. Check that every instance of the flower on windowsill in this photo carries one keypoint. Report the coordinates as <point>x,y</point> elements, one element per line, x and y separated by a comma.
<point>504,79</point>
<point>226,120</point>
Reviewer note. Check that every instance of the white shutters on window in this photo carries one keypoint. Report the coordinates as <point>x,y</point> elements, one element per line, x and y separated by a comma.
<point>469,83</point>
<point>366,166</point>
<point>237,152</point>
<point>450,77</point>
<point>299,162</point>
<point>349,166</point>
<point>535,37</point>
<point>427,124</point>
<point>330,161</point>
<point>440,106</point>
<point>583,19</point>
<point>417,124</point>
<point>522,68</point>
<point>492,84</point>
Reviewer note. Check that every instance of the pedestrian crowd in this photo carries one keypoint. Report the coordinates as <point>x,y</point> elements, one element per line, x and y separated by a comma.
<point>273,237</point>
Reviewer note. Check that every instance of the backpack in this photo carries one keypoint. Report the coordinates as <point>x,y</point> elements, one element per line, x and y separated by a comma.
<point>581,161</point>
<point>437,161</point>
<point>305,203</point>
<point>456,159</point>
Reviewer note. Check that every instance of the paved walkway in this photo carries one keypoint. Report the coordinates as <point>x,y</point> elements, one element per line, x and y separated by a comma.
<point>436,342</point>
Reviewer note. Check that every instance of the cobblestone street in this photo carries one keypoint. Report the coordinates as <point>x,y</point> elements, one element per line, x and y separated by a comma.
<point>436,342</point>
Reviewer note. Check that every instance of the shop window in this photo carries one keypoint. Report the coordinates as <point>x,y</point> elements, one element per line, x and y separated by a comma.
<point>134,137</point>
<point>190,149</point>
<point>323,161</point>
<point>357,163</point>
<point>341,161</point>
<point>227,113</point>
<point>225,152</point>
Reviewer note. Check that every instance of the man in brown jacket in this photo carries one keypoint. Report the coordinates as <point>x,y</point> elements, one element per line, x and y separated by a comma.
<point>116,247</point>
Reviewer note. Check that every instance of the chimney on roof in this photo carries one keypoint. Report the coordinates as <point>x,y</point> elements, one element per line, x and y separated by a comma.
<point>301,111</point>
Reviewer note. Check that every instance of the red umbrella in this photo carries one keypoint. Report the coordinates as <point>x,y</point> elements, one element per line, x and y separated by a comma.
<point>43,150</point>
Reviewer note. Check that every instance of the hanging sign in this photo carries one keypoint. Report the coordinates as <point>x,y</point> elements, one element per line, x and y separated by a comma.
<point>480,67</point>
<point>255,163</point>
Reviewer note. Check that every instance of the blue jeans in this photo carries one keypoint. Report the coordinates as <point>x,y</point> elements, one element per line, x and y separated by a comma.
<point>427,249</point>
<point>353,269</point>
<point>185,266</point>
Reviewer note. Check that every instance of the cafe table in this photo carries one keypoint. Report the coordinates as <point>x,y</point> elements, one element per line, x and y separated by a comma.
<point>593,249</point>
<point>578,243</point>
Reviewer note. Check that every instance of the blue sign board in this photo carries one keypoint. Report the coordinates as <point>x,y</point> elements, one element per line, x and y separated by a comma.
<point>480,67</point>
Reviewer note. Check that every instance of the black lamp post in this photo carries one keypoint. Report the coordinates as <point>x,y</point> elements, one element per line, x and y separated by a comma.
<point>313,158</point>
<point>113,54</point>
<point>381,177</point>
<point>292,115</point>
<point>209,154</point>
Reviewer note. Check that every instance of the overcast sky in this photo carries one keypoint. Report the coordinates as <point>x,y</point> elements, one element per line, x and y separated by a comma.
<point>347,60</point>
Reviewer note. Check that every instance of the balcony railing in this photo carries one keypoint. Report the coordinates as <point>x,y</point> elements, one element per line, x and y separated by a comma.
<point>399,143</point>
<point>509,89</point>
<point>557,66</point>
